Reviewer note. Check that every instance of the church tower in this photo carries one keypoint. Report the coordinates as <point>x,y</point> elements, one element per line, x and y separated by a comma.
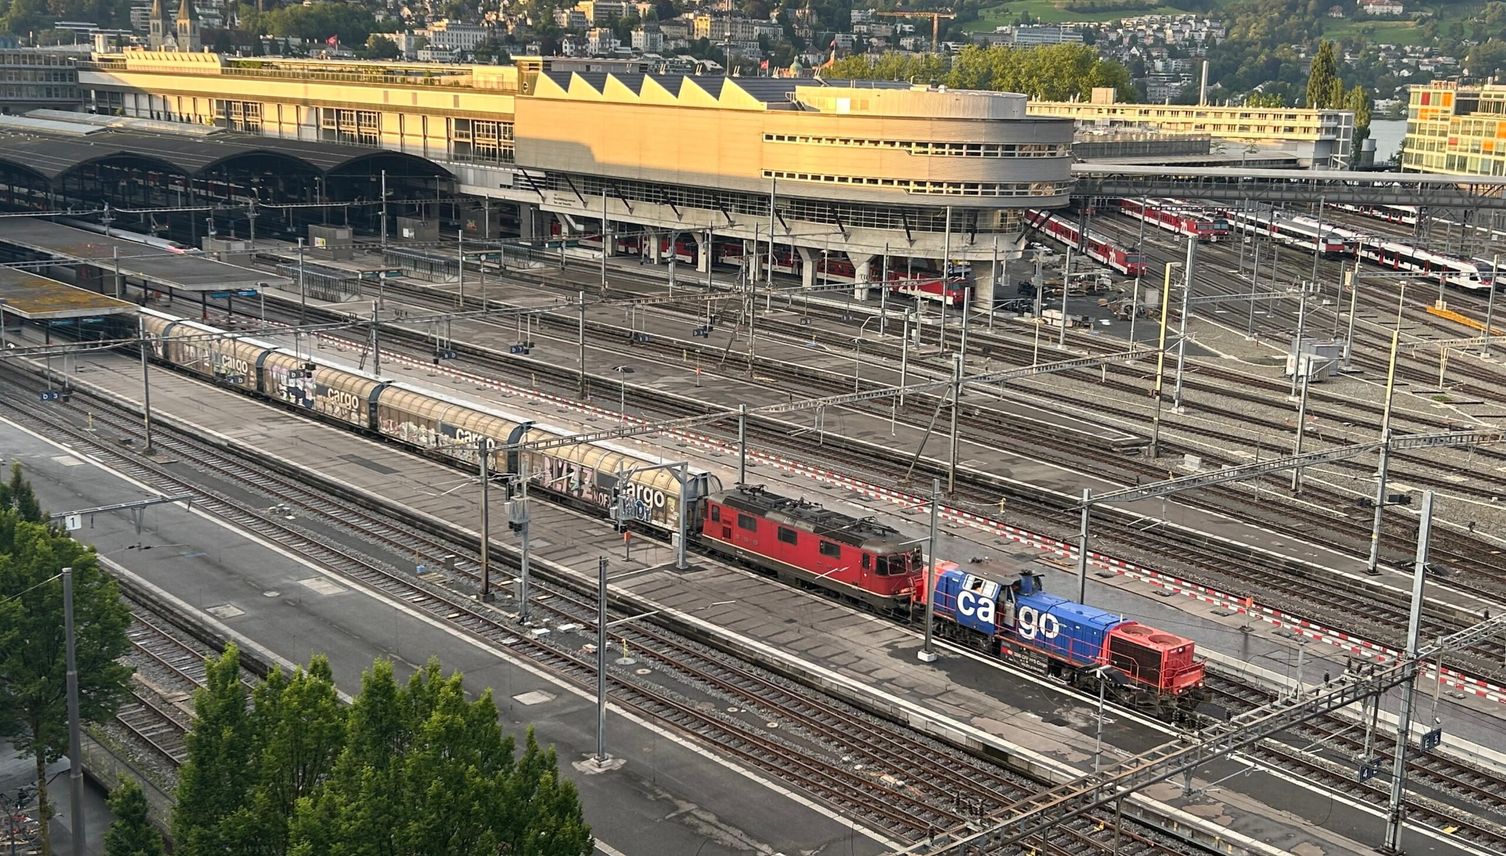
<point>157,27</point>
<point>188,27</point>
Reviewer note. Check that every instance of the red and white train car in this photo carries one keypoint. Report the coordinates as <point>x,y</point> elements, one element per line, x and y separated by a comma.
<point>1177,218</point>
<point>1094,246</point>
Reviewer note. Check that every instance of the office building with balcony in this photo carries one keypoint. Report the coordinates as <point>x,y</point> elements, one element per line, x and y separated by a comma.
<point>1317,138</point>
<point>1456,129</point>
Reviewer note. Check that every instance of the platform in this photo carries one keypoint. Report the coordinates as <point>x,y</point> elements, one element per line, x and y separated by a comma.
<point>38,298</point>
<point>669,798</point>
<point>973,694</point>
<point>158,267</point>
<point>978,455</point>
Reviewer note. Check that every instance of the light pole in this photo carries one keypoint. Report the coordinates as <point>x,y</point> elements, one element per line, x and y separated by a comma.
<point>601,662</point>
<point>1305,365</point>
<point>1385,450</point>
<point>1187,273</point>
<point>460,268</point>
<point>518,520</point>
<point>146,385</point>
<point>1490,308</point>
<point>1352,282</point>
<point>75,744</point>
<point>1155,429</point>
<point>303,301</point>
<point>3,345</point>
<point>622,373</point>
<point>857,354</point>
<point>926,654</point>
<point>483,457</point>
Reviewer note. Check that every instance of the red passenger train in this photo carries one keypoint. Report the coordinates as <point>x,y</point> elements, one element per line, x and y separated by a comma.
<point>1095,246</point>
<point>1175,217</point>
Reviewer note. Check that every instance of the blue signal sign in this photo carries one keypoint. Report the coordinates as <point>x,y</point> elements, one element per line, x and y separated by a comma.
<point>517,349</point>
<point>445,354</point>
<point>50,395</point>
<point>1367,772</point>
<point>1432,739</point>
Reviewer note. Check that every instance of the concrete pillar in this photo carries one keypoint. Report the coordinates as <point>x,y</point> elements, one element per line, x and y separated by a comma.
<point>986,282</point>
<point>755,259</point>
<point>533,223</point>
<point>807,266</point>
<point>656,247</point>
<point>702,251</point>
<point>862,265</point>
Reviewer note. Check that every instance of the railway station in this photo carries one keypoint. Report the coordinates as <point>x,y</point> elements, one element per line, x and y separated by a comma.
<point>817,465</point>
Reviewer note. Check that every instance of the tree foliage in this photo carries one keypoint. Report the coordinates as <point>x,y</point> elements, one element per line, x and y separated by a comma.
<point>405,770</point>
<point>33,697</point>
<point>1052,73</point>
<point>1325,89</point>
<point>350,22</point>
<point>21,17</point>
<point>131,833</point>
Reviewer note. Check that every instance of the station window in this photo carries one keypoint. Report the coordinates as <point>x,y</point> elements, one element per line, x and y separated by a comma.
<point>748,522</point>
<point>788,536</point>
<point>716,514</point>
<point>829,548</point>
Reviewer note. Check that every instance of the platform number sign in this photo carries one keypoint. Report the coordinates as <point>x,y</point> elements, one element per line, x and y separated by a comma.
<point>444,353</point>
<point>1030,624</point>
<point>73,522</point>
<point>1367,772</point>
<point>1432,739</point>
<point>50,395</point>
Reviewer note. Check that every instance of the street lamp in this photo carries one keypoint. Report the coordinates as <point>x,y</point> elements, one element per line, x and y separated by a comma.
<point>1105,674</point>
<point>3,346</point>
<point>857,354</point>
<point>622,373</point>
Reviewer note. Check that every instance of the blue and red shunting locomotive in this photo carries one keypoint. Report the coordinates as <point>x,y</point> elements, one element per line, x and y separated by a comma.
<point>1153,670</point>
<point>862,560</point>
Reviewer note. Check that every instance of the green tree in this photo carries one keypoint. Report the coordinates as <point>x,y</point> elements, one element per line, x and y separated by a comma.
<point>424,771</point>
<point>17,494</point>
<point>1053,73</point>
<point>33,697</point>
<point>1324,88</point>
<point>298,727</point>
<point>1265,99</point>
<point>379,48</point>
<point>1358,100</point>
<point>212,813</point>
<point>131,833</point>
<point>320,20</point>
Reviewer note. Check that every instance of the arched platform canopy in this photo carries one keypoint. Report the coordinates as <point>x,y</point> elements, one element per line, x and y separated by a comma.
<point>52,151</point>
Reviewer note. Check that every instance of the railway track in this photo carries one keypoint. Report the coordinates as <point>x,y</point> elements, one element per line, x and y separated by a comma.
<point>1381,613</point>
<point>866,746</point>
<point>889,777</point>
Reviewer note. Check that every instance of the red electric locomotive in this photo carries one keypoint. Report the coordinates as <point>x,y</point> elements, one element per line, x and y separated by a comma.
<point>856,558</point>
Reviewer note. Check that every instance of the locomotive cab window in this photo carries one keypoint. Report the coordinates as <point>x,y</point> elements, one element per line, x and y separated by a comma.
<point>748,522</point>
<point>787,535</point>
<point>716,514</point>
<point>830,549</point>
<point>867,561</point>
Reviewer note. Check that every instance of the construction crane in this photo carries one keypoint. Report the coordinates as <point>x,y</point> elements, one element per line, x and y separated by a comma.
<point>935,17</point>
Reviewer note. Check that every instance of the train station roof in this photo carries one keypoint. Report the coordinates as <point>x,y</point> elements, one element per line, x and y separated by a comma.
<point>51,148</point>
<point>37,298</point>
<point>179,271</point>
